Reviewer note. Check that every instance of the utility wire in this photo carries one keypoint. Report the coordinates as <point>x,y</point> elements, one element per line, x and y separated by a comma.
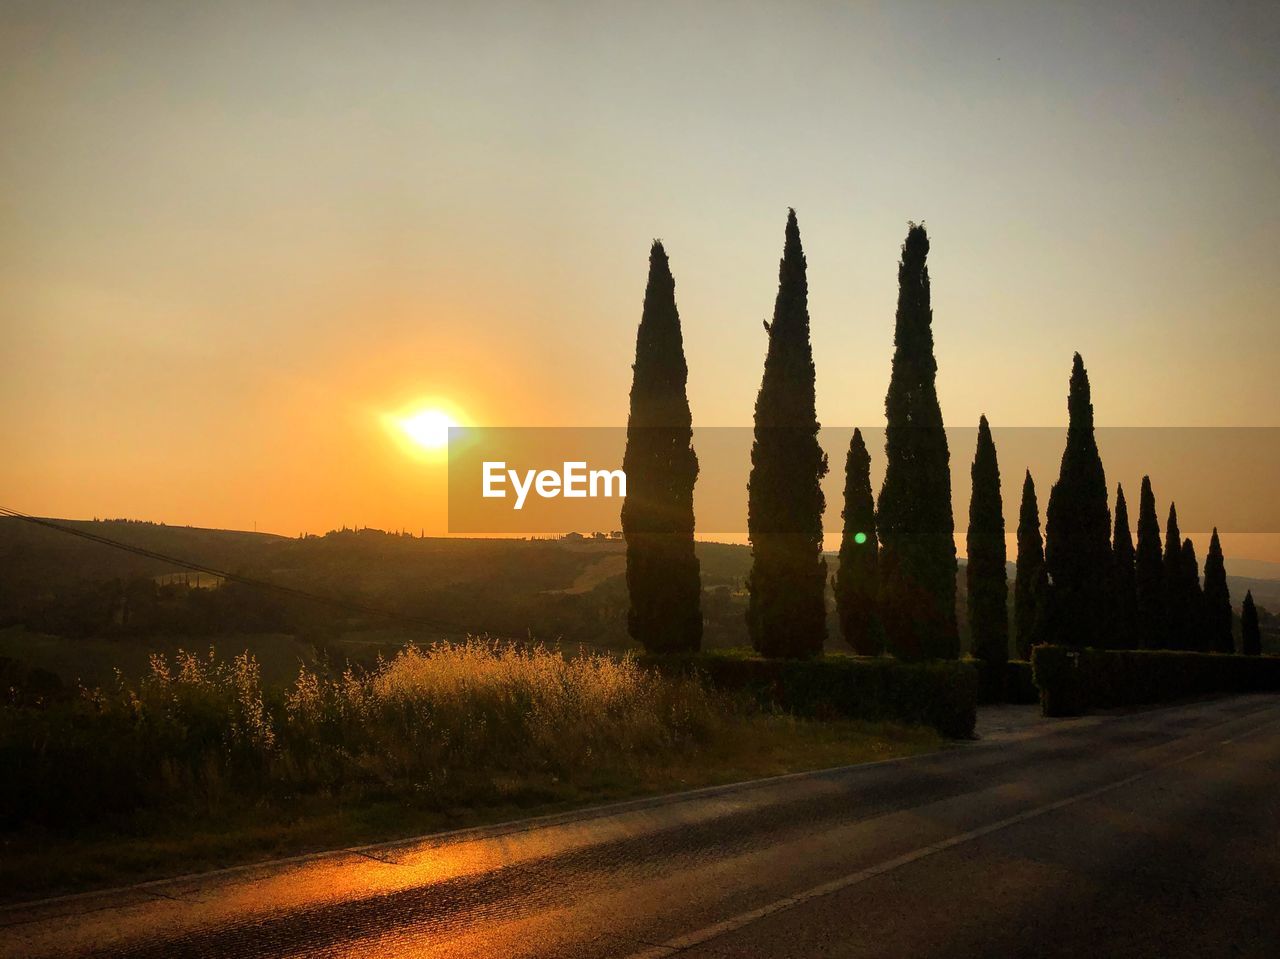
<point>333,601</point>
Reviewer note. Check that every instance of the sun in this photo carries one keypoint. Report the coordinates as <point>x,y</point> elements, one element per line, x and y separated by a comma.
<point>425,428</point>
<point>428,429</point>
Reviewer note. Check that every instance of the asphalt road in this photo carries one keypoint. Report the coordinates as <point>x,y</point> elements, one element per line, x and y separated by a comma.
<point>1149,834</point>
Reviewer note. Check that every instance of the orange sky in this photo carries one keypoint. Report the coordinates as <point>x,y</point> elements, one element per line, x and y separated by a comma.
<point>233,239</point>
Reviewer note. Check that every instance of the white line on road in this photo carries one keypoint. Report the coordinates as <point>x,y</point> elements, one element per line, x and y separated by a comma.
<point>707,933</point>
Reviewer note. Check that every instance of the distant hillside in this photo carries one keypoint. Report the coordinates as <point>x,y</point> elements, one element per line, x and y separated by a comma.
<point>1254,569</point>
<point>36,553</point>
<point>369,560</point>
<point>570,590</point>
<point>1266,592</point>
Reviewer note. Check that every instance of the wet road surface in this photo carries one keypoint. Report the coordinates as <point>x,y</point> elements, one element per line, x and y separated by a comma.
<point>1148,834</point>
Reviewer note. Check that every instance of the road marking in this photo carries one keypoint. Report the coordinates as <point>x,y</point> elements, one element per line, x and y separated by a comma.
<point>679,944</point>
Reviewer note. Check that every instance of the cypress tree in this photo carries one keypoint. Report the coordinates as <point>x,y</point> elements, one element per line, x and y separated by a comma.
<point>917,529</point>
<point>786,612</point>
<point>1250,633</point>
<point>856,583</point>
<point>1125,593</point>
<point>988,587</point>
<point>1175,594</point>
<point>663,582</point>
<point>1217,599</point>
<point>1193,598</point>
<point>1078,531</point>
<point>1031,581</point>
<point>1149,573</point>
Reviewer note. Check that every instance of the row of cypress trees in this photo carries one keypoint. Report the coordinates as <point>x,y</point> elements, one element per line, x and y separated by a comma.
<point>1083,583</point>
<point>1087,583</point>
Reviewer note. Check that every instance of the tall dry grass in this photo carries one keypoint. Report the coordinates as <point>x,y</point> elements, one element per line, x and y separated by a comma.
<point>455,708</point>
<point>451,722</point>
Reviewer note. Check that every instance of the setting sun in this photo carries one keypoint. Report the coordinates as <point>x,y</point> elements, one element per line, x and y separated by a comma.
<point>428,429</point>
<point>420,428</point>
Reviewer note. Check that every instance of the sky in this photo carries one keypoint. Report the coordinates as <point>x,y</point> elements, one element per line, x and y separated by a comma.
<point>235,238</point>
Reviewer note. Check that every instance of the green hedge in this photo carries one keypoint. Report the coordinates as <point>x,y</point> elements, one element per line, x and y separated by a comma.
<point>1007,683</point>
<point>943,695</point>
<point>1074,681</point>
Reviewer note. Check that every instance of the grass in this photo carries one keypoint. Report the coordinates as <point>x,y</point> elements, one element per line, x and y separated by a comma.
<point>197,764</point>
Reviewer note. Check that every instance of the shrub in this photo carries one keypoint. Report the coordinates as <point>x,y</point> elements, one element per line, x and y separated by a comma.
<point>1074,681</point>
<point>943,695</point>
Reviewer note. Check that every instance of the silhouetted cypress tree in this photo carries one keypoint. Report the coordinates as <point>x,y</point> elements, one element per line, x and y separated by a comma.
<point>1217,599</point>
<point>1031,581</point>
<point>1125,594</point>
<point>857,582</point>
<point>1177,634</point>
<point>786,613</point>
<point>1250,633</point>
<point>1193,599</point>
<point>917,529</point>
<point>661,467</point>
<point>1078,532</point>
<point>1149,573</point>
<point>987,581</point>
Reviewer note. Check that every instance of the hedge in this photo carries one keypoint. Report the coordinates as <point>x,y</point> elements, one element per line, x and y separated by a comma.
<point>1075,681</point>
<point>943,695</point>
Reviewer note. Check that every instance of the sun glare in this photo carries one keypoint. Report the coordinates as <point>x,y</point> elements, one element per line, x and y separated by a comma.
<point>428,429</point>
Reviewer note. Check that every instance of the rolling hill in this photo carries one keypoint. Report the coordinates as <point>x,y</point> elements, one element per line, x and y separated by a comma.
<point>569,590</point>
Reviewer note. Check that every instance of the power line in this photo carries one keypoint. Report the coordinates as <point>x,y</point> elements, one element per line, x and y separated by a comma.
<point>333,601</point>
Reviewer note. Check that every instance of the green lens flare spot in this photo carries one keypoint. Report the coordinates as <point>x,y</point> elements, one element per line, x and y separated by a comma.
<point>859,538</point>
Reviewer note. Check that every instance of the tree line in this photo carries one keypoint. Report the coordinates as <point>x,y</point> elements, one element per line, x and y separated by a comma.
<point>1084,582</point>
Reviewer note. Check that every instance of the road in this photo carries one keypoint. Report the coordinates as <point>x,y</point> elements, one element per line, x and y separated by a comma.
<point>1148,834</point>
